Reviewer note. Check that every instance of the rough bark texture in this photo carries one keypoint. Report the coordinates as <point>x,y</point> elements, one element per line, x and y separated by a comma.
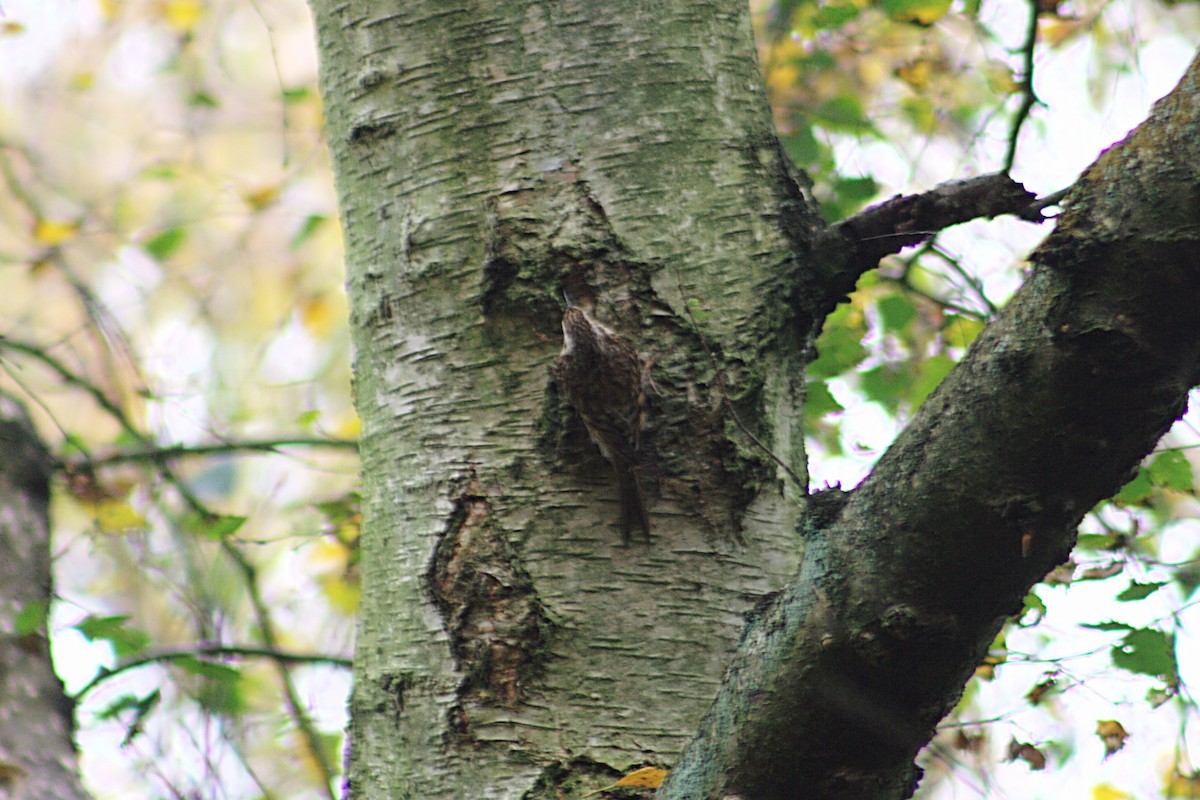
<point>37,752</point>
<point>840,683</point>
<point>488,157</point>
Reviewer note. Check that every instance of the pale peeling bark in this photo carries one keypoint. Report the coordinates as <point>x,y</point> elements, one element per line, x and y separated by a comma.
<point>489,156</point>
<point>37,751</point>
<point>840,683</point>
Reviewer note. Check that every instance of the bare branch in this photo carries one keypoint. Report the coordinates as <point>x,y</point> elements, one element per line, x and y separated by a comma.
<point>210,651</point>
<point>1028,98</point>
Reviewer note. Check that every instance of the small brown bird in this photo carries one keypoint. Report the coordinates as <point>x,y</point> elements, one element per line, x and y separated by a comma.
<point>602,377</point>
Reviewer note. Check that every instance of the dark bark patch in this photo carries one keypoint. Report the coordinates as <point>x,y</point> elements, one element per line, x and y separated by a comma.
<point>369,131</point>
<point>395,685</point>
<point>498,628</point>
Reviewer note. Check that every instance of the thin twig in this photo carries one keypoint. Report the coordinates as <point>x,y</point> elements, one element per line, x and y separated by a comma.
<point>1028,98</point>
<point>244,447</point>
<point>719,373</point>
<point>971,280</point>
<point>945,305</point>
<point>209,651</point>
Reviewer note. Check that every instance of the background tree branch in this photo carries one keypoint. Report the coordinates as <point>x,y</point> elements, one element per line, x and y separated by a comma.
<point>37,752</point>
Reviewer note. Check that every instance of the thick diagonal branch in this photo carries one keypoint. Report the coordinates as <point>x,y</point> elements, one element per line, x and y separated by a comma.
<point>841,681</point>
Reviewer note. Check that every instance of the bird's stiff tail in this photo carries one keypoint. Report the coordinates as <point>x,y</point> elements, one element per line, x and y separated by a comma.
<point>633,505</point>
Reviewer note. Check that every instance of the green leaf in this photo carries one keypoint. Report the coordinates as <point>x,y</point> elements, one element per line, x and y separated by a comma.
<point>1036,605</point>
<point>840,344</point>
<point>820,400</point>
<point>834,15</point>
<point>1136,492</point>
<point>887,384</point>
<point>166,243</point>
<point>1139,591</point>
<point>74,445</point>
<point>923,12</point>
<point>856,190</point>
<point>312,223</point>
<point>959,331</point>
<point>845,112</point>
<point>1156,696</point>
<point>142,709</point>
<point>846,196</point>
<point>218,527</point>
<point>896,312</point>
<point>124,640</point>
<point>921,112</point>
<point>207,669</point>
<point>1171,470</point>
<point>202,99</point>
<point>220,691</point>
<point>308,418</point>
<point>1188,577</point>
<point>1106,626</point>
<point>31,618</point>
<point>122,703</point>
<point>332,744</point>
<point>164,172</point>
<point>801,145</point>
<point>341,507</point>
<point>1097,541</point>
<point>297,94</point>
<point>1146,651</point>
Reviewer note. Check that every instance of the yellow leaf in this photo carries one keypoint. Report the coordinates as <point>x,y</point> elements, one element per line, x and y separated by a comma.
<point>1182,786</point>
<point>1057,30</point>
<point>329,555</point>
<point>52,232</point>
<point>961,331</point>
<point>117,516</point>
<point>83,79</point>
<point>783,77</point>
<point>1113,734</point>
<point>999,77</point>
<point>317,314</point>
<point>916,74</point>
<point>182,15</point>
<point>922,12</point>
<point>341,594</point>
<point>11,27</point>
<point>108,8</point>
<point>997,655</point>
<point>1105,791</point>
<point>349,429</point>
<point>646,777</point>
<point>260,198</point>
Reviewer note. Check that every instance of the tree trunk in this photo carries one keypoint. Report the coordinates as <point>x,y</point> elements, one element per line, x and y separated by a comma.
<point>492,156</point>
<point>489,157</point>
<point>37,751</point>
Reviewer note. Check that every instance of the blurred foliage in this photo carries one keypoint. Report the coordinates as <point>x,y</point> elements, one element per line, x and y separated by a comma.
<point>172,280</point>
